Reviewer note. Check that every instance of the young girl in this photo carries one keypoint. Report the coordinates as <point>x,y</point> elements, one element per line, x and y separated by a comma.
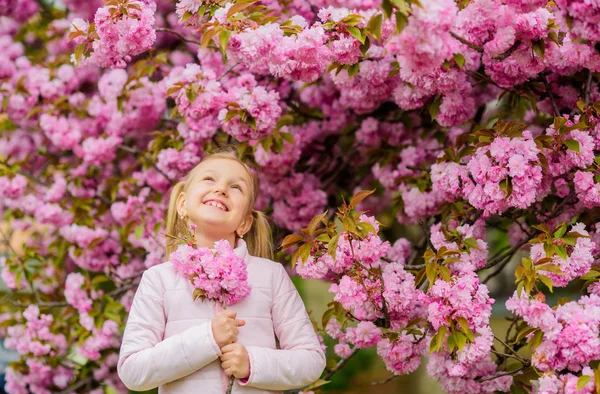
<point>186,346</point>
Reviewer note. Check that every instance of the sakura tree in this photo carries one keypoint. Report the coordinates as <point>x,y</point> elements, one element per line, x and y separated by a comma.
<point>462,117</point>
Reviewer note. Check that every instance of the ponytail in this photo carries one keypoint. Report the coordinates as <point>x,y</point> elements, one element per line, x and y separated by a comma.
<point>258,237</point>
<point>175,226</point>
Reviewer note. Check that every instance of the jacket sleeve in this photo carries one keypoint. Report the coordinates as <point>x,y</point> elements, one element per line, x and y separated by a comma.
<point>300,361</point>
<point>146,360</point>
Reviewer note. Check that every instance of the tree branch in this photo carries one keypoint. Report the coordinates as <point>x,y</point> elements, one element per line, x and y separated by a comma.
<point>516,355</point>
<point>427,236</point>
<point>384,381</point>
<point>509,52</point>
<point>76,386</point>
<point>466,42</point>
<point>588,87</point>
<point>181,36</point>
<point>138,152</point>
<point>228,71</point>
<point>499,375</point>
<point>549,92</point>
<point>340,365</point>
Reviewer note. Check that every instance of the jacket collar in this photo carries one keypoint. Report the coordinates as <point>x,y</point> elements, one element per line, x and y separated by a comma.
<point>241,249</point>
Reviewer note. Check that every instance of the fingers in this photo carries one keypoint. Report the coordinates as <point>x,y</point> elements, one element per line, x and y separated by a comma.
<point>226,364</point>
<point>229,348</point>
<point>228,372</point>
<point>229,313</point>
<point>241,323</point>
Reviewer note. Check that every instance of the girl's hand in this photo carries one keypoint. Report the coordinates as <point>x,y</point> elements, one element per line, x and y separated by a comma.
<point>225,327</point>
<point>235,361</point>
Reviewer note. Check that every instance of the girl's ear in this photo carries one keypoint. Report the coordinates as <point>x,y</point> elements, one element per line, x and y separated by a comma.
<point>181,211</point>
<point>245,226</point>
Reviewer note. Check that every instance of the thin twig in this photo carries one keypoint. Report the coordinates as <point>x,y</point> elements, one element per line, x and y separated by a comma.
<point>181,36</point>
<point>340,365</point>
<point>466,42</point>
<point>426,233</point>
<point>549,92</point>
<point>509,52</point>
<point>588,87</point>
<point>77,385</point>
<point>511,350</point>
<point>384,381</point>
<point>138,152</point>
<point>228,71</point>
<point>499,375</point>
<point>470,221</point>
<point>501,258</point>
<point>506,355</point>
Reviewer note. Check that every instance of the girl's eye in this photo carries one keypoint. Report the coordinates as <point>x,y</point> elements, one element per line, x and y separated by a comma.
<point>208,178</point>
<point>236,187</point>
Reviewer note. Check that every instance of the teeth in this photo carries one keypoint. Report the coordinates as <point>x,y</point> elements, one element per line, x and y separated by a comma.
<point>217,204</point>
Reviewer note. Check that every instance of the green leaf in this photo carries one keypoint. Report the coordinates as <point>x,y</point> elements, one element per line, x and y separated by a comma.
<point>401,22</point>
<point>431,271</point>
<point>463,323</point>
<point>367,227</point>
<point>555,269</point>
<point>402,6</point>
<point>582,381</point>
<point>353,69</point>
<point>356,33</point>
<point>560,231</point>
<point>314,223</point>
<point>562,252</point>
<point>471,243</point>
<point>139,230</point>
<point>539,47</point>
<point>237,7</point>
<point>332,246</point>
<point>445,273</point>
<point>327,316</point>
<point>537,339</point>
<point>547,281</point>
<point>224,41</point>
<point>573,145</point>
<point>304,252</point>
<point>291,240</point>
<point>358,197</point>
<point>461,340</point>
<point>387,7</point>
<point>374,26</point>
<point>434,107</point>
<point>318,383</point>
<point>459,59</point>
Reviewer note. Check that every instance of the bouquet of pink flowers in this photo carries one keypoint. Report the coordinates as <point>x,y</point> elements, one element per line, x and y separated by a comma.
<point>217,274</point>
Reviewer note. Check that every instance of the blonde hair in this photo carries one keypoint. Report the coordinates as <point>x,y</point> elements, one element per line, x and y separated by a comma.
<point>258,238</point>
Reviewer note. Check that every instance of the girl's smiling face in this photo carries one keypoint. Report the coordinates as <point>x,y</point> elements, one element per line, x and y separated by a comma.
<point>217,200</point>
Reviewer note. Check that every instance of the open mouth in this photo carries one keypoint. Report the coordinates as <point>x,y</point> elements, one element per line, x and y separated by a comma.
<point>216,204</point>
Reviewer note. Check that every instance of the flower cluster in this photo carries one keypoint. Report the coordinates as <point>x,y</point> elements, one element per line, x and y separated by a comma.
<point>122,31</point>
<point>464,299</point>
<point>576,262</point>
<point>219,275</point>
<point>466,240</point>
<point>570,332</point>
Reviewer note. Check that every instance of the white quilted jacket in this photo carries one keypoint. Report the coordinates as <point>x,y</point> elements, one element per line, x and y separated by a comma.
<point>168,338</point>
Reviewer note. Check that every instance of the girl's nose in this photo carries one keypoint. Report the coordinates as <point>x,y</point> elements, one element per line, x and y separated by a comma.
<point>221,189</point>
